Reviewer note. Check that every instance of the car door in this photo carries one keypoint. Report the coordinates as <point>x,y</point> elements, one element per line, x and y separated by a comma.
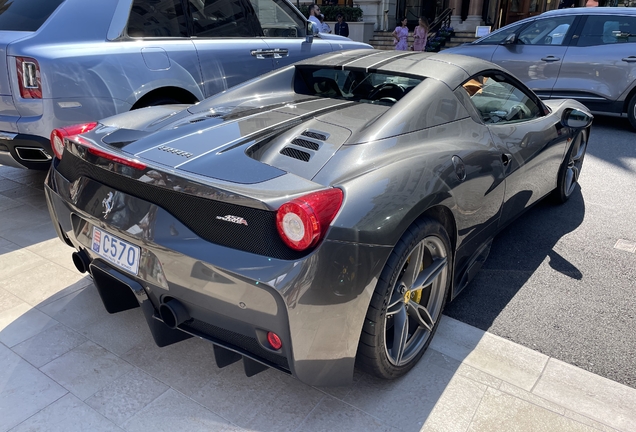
<point>284,33</point>
<point>601,65</point>
<point>485,47</point>
<point>228,40</point>
<point>525,134</point>
<point>536,54</point>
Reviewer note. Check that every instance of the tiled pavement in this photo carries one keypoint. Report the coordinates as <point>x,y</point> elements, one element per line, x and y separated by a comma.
<point>66,364</point>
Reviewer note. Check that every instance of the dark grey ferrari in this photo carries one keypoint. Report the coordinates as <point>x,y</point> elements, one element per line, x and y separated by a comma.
<point>317,217</point>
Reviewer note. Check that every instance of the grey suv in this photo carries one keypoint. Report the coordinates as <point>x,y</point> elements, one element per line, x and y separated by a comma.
<point>587,54</point>
<point>71,61</point>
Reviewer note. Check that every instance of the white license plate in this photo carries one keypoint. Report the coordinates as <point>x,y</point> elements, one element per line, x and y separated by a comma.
<point>116,251</point>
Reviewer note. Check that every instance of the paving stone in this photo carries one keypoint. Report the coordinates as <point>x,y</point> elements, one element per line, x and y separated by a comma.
<point>69,414</point>
<point>24,390</point>
<point>126,396</point>
<point>120,332</point>
<point>591,395</point>
<point>49,345</point>
<point>494,355</point>
<point>266,401</point>
<point>86,369</point>
<point>17,262</point>
<point>40,284</point>
<point>33,235</point>
<point>21,323</point>
<point>185,366</point>
<point>415,396</point>
<point>55,250</point>
<point>8,300</point>
<point>335,415</point>
<point>78,309</point>
<point>172,412</point>
<point>499,411</point>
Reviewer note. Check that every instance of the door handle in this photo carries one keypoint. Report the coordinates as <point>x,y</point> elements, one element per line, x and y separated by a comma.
<point>269,53</point>
<point>506,158</point>
<point>630,59</point>
<point>551,59</point>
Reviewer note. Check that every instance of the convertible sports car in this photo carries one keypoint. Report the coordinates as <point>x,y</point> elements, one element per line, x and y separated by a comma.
<point>317,217</point>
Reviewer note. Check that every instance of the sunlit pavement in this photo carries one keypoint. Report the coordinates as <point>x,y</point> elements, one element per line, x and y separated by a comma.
<point>67,365</point>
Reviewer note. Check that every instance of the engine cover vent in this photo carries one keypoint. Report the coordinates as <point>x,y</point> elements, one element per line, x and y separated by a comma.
<point>296,154</point>
<point>316,135</point>
<point>306,143</point>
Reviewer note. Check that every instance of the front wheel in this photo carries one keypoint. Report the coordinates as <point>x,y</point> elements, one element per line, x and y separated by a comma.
<point>408,301</point>
<point>571,169</point>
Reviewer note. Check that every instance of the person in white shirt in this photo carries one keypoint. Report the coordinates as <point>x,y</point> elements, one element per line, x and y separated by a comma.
<point>324,27</point>
<point>314,12</point>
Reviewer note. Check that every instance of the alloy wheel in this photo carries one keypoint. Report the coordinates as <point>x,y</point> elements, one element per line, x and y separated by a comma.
<point>416,301</point>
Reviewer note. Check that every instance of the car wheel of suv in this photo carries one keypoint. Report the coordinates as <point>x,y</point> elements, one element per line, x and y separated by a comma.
<point>631,111</point>
<point>159,100</point>
<point>407,304</point>
<point>571,169</point>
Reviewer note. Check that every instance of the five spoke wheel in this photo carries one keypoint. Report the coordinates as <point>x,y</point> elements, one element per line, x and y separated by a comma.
<point>416,301</point>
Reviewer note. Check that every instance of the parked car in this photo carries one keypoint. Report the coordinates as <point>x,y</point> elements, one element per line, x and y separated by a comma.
<point>70,61</point>
<point>587,54</point>
<point>320,214</point>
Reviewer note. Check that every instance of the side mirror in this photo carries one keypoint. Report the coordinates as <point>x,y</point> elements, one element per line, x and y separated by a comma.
<point>510,40</point>
<point>309,32</point>
<point>576,119</point>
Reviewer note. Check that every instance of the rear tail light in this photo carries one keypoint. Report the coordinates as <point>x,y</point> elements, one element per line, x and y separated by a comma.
<point>303,221</point>
<point>71,133</point>
<point>58,136</point>
<point>29,78</point>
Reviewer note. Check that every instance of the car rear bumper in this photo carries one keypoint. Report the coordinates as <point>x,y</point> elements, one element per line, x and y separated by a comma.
<point>315,304</point>
<point>25,151</point>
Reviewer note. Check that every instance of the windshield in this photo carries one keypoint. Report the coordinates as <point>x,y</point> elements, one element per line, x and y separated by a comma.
<point>26,15</point>
<point>354,85</point>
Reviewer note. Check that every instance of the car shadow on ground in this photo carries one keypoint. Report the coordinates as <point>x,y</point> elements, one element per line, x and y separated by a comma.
<point>516,253</point>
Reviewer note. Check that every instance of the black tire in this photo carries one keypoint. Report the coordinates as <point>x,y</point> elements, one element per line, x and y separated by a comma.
<point>428,239</point>
<point>571,168</point>
<point>631,111</point>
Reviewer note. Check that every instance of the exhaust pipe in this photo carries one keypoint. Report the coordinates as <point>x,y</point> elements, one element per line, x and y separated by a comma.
<point>173,313</point>
<point>32,154</point>
<point>81,261</point>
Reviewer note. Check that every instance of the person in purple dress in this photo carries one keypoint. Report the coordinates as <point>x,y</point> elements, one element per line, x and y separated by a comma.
<point>420,35</point>
<point>401,36</point>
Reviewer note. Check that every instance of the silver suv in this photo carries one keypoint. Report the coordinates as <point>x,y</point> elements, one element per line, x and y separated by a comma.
<point>71,61</point>
<point>587,54</point>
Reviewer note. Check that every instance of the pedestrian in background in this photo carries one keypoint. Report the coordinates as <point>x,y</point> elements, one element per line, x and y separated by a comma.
<point>314,12</point>
<point>420,35</point>
<point>341,27</point>
<point>401,36</point>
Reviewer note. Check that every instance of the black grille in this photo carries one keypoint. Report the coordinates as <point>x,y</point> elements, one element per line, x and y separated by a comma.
<point>315,135</point>
<point>4,148</point>
<point>260,236</point>
<point>307,144</point>
<point>246,343</point>
<point>296,154</point>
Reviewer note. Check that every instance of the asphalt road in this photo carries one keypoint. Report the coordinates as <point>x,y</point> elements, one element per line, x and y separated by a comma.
<point>554,280</point>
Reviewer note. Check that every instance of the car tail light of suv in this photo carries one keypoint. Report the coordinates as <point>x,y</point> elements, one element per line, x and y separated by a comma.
<point>29,78</point>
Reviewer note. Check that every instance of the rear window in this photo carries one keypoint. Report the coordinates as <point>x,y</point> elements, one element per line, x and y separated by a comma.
<point>26,15</point>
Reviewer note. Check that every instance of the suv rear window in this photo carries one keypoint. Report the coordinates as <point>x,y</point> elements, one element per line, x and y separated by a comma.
<point>26,15</point>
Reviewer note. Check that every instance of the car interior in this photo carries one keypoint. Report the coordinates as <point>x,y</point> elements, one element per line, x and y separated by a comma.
<point>354,85</point>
